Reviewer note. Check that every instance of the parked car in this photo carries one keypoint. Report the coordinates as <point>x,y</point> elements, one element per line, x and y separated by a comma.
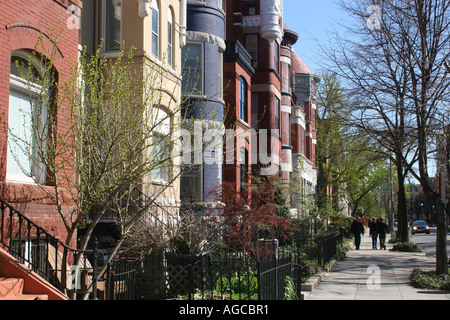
<point>420,226</point>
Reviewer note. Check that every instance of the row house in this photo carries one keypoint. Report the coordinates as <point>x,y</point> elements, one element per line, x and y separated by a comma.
<point>27,28</point>
<point>228,64</point>
<point>156,30</point>
<point>303,132</point>
<point>253,88</point>
<point>270,90</point>
<point>203,100</point>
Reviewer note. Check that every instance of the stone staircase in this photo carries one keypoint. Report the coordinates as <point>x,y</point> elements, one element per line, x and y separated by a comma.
<point>18,282</point>
<point>12,289</point>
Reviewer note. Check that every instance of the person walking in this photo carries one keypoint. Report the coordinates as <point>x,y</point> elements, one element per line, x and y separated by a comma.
<point>357,228</point>
<point>382,231</point>
<point>373,227</point>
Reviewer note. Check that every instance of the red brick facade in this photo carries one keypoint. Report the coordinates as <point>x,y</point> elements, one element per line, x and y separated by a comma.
<point>21,24</point>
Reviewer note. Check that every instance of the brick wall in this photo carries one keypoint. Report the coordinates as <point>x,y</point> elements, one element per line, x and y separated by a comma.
<point>22,22</point>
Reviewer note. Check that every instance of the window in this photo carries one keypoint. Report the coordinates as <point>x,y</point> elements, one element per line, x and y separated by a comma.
<point>220,76</point>
<point>243,167</point>
<point>155,29</point>
<point>302,139</point>
<point>192,81</point>
<point>277,113</point>
<point>170,38</point>
<point>255,111</point>
<point>243,99</point>
<point>276,57</point>
<point>252,10</point>
<point>33,253</point>
<point>159,156</point>
<point>113,18</point>
<point>191,189</point>
<point>161,145</point>
<point>251,44</point>
<point>27,121</point>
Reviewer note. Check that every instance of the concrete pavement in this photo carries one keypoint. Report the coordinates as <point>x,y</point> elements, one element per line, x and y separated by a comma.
<point>368,274</point>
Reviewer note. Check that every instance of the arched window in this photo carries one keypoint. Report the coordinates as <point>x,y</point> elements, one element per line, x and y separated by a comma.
<point>155,29</point>
<point>27,120</point>
<point>170,38</point>
<point>243,99</point>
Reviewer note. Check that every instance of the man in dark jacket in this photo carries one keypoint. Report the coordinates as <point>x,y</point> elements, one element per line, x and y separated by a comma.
<point>357,228</point>
<point>382,230</point>
<point>373,232</point>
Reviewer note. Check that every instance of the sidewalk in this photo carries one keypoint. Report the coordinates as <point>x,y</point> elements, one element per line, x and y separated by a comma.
<point>368,274</point>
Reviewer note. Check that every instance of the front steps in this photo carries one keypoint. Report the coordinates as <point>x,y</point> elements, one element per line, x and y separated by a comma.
<point>12,289</point>
<point>18,282</point>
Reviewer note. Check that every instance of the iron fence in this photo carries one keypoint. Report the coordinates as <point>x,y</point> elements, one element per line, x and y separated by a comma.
<point>73,272</point>
<point>223,274</point>
<point>219,274</point>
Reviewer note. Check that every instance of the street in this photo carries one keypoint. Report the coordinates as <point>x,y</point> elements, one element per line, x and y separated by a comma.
<point>428,241</point>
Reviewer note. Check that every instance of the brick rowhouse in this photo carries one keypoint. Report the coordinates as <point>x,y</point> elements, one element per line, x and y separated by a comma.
<point>22,24</point>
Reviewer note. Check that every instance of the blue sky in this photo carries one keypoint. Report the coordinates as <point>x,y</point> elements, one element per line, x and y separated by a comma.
<point>311,19</point>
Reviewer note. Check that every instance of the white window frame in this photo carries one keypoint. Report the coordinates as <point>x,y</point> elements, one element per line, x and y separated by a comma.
<point>156,33</point>
<point>22,86</point>
<point>162,124</point>
<point>170,37</point>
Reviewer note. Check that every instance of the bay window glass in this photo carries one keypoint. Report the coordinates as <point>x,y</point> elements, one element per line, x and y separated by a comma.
<point>113,20</point>
<point>243,99</point>
<point>277,113</point>
<point>192,81</point>
<point>161,145</point>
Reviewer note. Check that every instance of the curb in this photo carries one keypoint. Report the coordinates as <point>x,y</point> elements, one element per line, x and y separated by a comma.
<point>314,281</point>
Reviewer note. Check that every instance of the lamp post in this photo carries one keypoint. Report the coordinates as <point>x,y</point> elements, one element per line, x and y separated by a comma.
<point>421,207</point>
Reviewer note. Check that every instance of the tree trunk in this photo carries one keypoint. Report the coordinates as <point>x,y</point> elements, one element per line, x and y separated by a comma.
<point>441,235</point>
<point>402,213</point>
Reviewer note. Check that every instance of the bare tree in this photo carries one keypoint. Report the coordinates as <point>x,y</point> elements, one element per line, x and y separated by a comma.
<point>116,137</point>
<point>397,69</point>
<point>376,87</point>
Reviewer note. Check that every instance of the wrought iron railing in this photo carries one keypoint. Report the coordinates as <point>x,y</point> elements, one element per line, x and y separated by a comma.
<point>71,271</point>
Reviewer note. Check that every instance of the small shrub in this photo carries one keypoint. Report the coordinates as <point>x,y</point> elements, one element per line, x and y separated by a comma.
<point>429,280</point>
<point>308,269</point>
<point>406,247</point>
<point>394,240</point>
<point>290,292</point>
<point>239,286</point>
<point>341,252</point>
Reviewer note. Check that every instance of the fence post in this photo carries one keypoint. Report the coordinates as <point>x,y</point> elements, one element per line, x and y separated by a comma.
<point>190,282</point>
<point>94,271</point>
<point>319,250</point>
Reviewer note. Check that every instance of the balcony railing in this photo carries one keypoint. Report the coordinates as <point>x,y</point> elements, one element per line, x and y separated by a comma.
<point>235,51</point>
